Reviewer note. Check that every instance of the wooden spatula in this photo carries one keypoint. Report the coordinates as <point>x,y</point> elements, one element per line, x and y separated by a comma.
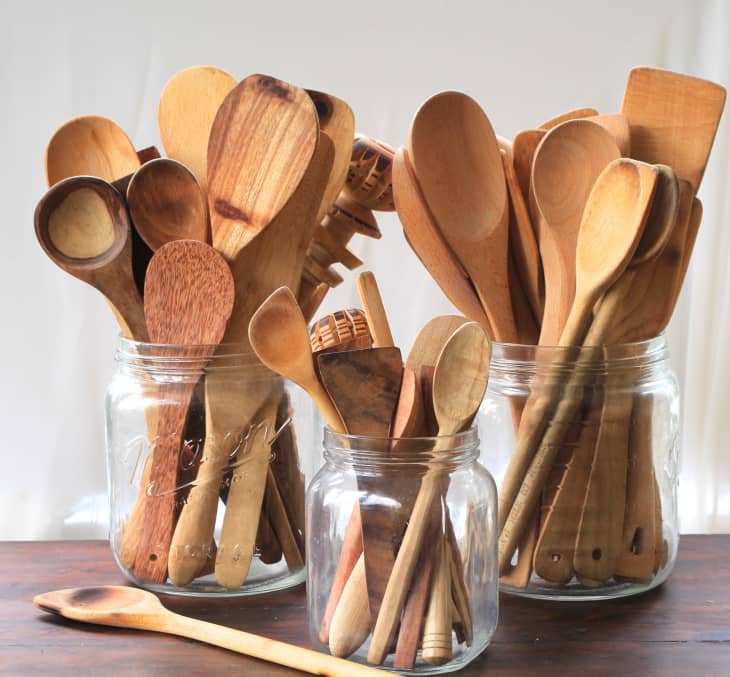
<point>188,300</point>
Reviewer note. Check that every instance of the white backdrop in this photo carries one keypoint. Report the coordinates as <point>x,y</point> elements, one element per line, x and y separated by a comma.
<point>524,61</point>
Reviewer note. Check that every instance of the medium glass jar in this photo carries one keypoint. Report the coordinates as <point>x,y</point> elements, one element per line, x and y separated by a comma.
<point>422,598</point>
<point>206,480</point>
<point>584,444</point>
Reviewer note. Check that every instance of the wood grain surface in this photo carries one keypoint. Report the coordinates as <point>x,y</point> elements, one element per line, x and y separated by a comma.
<point>678,629</point>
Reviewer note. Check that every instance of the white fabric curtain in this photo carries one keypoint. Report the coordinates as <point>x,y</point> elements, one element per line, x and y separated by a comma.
<point>524,61</point>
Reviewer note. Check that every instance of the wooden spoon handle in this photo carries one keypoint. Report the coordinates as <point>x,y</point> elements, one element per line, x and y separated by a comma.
<point>436,640</point>
<point>351,621</point>
<point>374,310</point>
<point>265,649</point>
<point>279,520</point>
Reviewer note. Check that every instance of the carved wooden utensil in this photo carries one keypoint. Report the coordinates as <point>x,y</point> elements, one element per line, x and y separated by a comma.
<point>565,167</point>
<point>369,180</point>
<point>188,300</point>
<point>90,146</point>
<point>261,143</point>
<point>459,383</point>
<point>185,113</point>
<point>82,225</point>
<point>166,203</point>
<point>458,165</point>
<point>137,609</point>
<point>673,119</point>
<point>576,114</point>
<point>610,229</point>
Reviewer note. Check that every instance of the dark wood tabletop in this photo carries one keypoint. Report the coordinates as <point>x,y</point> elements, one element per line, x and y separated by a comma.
<point>682,628</point>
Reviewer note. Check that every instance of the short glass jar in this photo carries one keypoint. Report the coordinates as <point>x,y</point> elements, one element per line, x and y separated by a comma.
<point>206,480</point>
<point>588,487</point>
<point>423,599</point>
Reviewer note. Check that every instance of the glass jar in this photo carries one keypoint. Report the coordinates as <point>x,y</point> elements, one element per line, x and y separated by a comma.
<point>206,480</point>
<point>423,597</point>
<point>588,484</point>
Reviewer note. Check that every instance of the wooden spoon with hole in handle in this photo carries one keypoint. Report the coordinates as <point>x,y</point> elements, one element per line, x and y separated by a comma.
<point>126,607</point>
<point>188,300</point>
<point>166,203</point>
<point>90,146</point>
<point>261,143</point>
<point>566,165</point>
<point>459,383</point>
<point>428,243</point>
<point>612,224</point>
<point>83,226</point>
<point>457,162</point>
<point>188,105</point>
<point>673,119</point>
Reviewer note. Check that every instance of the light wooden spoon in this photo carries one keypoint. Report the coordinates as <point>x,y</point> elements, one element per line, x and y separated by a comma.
<point>187,302</point>
<point>166,203</point>
<point>82,225</point>
<point>185,113</point>
<point>123,607</point>
<point>457,162</point>
<point>261,143</point>
<point>90,146</point>
<point>459,383</point>
<point>575,114</point>
<point>566,165</point>
<point>610,229</point>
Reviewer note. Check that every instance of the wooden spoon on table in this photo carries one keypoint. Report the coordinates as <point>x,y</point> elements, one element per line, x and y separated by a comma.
<point>261,143</point>
<point>90,146</point>
<point>673,119</point>
<point>188,105</point>
<point>424,237</point>
<point>457,162</point>
<point>610,229</point>
<point>124,607</point>
<point>566,165</point>
<point>459,383</point>
<point>82,225</point>
<point>166,203</point>
<point>188,300</point>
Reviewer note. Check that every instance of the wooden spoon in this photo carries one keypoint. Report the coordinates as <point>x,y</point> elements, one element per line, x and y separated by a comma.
<point>279,336</point>
<point>566,165</point>
<point>166,203</point>
<point>617,125</point>
<point>611,227</point>
<point>137,609</point>
<point>261,143</point>
<point>428,243</point>
<point>90,146</point>
<point>576,114</point>
<point>188,300</point>
<point>82,225</point>
<point>673,119</point>
<point>374,310</point>
<point>185,113</point>
<point>524,146</point>
<point>457,162</point>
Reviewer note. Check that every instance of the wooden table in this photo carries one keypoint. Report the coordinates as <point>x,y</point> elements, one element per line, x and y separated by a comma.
<point>683,628</point>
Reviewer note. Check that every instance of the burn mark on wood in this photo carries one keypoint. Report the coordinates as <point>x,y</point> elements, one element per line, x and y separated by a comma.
<point>228,211</point>
<point>275,88</point>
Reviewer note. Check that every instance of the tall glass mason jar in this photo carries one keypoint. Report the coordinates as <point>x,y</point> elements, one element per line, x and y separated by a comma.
<point>422,598</point>
<point>206,480</point>
<point>584,444</point>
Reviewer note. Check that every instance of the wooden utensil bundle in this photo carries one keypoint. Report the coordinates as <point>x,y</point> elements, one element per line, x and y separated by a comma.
<point>367,391</point>
<point>524,248</point>
<point>255,168</point>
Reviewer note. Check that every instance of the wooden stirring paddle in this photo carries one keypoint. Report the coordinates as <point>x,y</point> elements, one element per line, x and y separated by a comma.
<point>82,225</point>
<point>457,162</point>
<point>611,227</point>
<point>166,203</point>
<point>188,300</point>
<point>188,105</point>
<point>137,609</point>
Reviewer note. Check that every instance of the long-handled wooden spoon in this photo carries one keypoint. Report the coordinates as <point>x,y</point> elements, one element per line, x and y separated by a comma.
<point>188,300</point>
<point>185,113</point>
<point>611,227</point>
<point>166,203</point>
<point>124,607</point>
<point>459,383</point>
<point>566,165</point>
<point>457,162</point>
<point>82,225</point>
